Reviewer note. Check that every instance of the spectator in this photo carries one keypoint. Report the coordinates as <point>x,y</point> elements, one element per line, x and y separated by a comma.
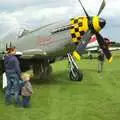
<point>13,72</point>
<point>100,61</point>
<point>26,90</point>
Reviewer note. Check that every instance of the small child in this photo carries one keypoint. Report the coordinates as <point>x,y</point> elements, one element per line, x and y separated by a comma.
<point>26,90</point>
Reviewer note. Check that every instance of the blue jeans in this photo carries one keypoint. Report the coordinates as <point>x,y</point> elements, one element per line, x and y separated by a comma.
<point>12,88</point>
<point>26,101</point>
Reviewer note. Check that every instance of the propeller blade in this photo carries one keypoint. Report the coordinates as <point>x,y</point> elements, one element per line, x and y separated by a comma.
<point>101,7</point>
<point>104,46</point>
<point>84,9</point>
<point>82,45</point>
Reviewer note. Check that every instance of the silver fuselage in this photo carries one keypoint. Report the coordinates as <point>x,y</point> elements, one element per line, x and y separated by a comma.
<point>42,41</point>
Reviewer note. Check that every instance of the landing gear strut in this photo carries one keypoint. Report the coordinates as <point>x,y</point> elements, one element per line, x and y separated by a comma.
<point>74,73</point>
<point>41,70</point>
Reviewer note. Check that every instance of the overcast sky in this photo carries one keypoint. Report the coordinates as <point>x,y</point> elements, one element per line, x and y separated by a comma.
<point>19,14</point>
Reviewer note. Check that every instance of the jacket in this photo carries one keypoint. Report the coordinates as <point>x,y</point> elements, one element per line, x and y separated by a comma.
<point>101,57</point>
<point>11,64</point>
<point>26,89</point>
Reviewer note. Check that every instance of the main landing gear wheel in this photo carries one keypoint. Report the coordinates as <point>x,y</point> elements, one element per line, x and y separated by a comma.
<point>74,73</point>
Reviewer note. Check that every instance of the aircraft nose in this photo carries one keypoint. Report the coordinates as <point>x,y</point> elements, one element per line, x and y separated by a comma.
<point>102,22</point>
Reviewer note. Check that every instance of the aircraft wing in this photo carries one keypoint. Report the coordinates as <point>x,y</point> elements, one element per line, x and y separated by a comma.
<point>94,49</point>
<point>33,52</point>
<point>114,48</point>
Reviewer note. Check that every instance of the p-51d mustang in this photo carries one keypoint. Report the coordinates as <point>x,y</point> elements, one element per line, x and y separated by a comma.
<point>41,46</point>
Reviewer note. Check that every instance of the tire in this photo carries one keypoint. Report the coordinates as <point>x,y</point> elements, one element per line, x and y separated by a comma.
<point>78,75</point>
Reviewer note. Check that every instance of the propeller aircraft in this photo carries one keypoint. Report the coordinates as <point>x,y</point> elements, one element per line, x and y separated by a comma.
<point>41,46</point>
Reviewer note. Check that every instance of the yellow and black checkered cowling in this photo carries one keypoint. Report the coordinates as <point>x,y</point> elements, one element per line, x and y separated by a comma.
<point>79,26</point>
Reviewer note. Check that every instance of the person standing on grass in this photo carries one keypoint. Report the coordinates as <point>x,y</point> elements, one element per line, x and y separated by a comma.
<point>101,59</point>
<point>13,73</point>
<point>26,90</point>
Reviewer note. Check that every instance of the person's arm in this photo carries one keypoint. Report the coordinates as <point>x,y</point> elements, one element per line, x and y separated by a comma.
<point>29,87</point>
<point>22,83</point>
<point>17,67</point>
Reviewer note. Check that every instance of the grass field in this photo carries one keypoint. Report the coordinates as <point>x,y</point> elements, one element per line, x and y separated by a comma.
<point>97,97</point>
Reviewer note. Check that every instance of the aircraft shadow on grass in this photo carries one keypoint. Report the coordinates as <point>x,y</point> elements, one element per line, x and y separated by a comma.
<point>61,78</point>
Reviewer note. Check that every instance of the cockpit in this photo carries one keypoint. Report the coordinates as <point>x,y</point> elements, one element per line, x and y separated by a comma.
<point>23,32</point>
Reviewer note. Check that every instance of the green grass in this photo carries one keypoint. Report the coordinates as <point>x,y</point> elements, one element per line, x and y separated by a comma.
<point>97,97</point>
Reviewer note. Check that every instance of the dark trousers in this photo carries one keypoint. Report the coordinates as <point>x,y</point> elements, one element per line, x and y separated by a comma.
<point>26,101</point>
<point>12,88</point>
